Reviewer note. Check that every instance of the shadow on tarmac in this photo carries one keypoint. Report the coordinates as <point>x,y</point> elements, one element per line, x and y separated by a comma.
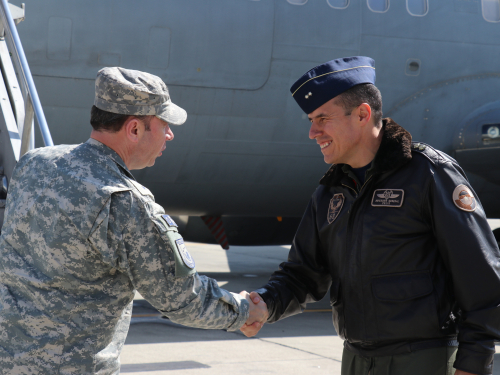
<point>157,329</point>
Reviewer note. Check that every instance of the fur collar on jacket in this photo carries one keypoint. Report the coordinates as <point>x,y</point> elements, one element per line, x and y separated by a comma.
<point>393,153</point>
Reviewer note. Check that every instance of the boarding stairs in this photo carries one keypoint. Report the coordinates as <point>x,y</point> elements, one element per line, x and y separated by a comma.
<point>19,102</point>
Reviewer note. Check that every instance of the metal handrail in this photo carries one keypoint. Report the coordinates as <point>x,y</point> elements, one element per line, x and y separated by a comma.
<point>24,73</point>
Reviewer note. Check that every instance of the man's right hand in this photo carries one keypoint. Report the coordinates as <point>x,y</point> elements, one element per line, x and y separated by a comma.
<point>258,314</point>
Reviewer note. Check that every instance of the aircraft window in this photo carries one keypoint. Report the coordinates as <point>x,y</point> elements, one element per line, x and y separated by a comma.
<point>378,6</point>
<point>417,7</point>
<point>297,2</point>
<point>491,10</point>
<point>338,4</point>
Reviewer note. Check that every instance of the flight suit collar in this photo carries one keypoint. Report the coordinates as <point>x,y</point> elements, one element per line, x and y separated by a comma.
<point>109,152</point>
<point>393,153</point>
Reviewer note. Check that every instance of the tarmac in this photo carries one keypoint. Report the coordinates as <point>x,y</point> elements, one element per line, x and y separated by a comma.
<point>303,344</point>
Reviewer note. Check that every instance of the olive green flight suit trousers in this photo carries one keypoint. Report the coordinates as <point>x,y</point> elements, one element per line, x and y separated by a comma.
<point>435,361</point>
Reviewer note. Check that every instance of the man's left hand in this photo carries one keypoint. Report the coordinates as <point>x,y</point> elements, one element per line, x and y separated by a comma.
<point>460,372</point>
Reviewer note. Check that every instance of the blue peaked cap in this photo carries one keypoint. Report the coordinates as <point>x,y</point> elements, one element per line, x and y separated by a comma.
<point>324,82</point>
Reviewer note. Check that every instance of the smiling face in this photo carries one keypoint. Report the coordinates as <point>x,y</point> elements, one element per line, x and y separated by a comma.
<point>337,135</point>
<point>153,142</point>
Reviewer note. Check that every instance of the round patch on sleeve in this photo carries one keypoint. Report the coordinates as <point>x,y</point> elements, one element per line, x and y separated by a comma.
<point>186,257</point>
<point>464,199</point>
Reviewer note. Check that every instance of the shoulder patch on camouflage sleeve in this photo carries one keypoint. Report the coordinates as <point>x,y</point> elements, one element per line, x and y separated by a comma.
<point>183,251</point>
<point>184,262</point>
<point>170,222</point>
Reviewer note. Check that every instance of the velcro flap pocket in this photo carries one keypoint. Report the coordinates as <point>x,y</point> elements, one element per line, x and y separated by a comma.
<point>402,286</point>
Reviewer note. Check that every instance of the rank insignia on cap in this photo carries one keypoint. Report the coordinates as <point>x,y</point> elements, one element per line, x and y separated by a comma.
<point>336,204</point>
<point>464,199</point>
<point>331,79</point>
<point>388,198</point>
<point>169,221</point>
<point>186,257</point>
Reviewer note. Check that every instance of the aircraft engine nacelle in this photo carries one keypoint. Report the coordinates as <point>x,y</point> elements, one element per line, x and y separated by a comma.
<point>477,143</point>
<point>477,150</point>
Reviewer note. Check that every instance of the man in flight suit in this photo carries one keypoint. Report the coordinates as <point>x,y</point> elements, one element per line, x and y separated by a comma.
<point>81,235</point>
<point>398,235</point>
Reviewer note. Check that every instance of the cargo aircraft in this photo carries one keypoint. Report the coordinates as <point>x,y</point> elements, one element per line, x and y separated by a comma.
<point>242,169</point>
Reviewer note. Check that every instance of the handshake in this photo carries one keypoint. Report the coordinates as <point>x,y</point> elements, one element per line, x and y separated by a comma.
<point>258,314</point>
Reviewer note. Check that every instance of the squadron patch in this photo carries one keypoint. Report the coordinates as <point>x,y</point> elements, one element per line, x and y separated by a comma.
<point>388,198</point>
<point>186,257</point>
<point>169,221</point>
<point>464,199</point>
<point>336,204</point>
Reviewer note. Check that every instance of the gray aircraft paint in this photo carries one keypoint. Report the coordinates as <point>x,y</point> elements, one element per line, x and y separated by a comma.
<point>244,150</point>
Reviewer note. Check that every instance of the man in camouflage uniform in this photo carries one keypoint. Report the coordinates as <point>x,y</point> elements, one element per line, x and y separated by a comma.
<point>81,235</point>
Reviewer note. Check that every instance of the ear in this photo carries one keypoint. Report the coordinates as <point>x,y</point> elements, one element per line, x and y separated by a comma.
<point>364,114</point>
<point>133,129</point>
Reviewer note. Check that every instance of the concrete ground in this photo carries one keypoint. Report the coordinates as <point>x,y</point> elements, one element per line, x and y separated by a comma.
<point>303,344</point>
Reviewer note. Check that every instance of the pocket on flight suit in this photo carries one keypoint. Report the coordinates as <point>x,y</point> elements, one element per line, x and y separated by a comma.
<point>405,306</point>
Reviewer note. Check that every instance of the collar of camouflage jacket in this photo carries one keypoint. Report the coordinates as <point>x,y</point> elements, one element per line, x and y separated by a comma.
<point>393,153</point>
<point>109,152</point>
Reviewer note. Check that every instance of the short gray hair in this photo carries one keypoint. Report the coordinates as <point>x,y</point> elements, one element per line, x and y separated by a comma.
<point>359,94</point>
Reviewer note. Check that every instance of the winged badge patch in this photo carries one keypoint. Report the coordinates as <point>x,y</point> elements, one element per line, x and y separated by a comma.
<point>388,198</point>
<point>335,207</point>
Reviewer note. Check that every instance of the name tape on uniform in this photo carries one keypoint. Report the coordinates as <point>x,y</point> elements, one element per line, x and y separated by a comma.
<point>186,257</point>
<point>388,198</point>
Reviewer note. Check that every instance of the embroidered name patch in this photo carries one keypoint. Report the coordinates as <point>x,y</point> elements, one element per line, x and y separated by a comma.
<point>169,221</point>
<point>186,257</point>
<point>335,207</point>
<point>388,198</point>
<point>464,199</point>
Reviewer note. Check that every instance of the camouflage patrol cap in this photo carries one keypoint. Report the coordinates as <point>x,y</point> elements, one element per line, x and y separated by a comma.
<point>131,92</point>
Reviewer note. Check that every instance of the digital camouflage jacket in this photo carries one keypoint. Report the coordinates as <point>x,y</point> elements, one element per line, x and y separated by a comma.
<point>80,236</point>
